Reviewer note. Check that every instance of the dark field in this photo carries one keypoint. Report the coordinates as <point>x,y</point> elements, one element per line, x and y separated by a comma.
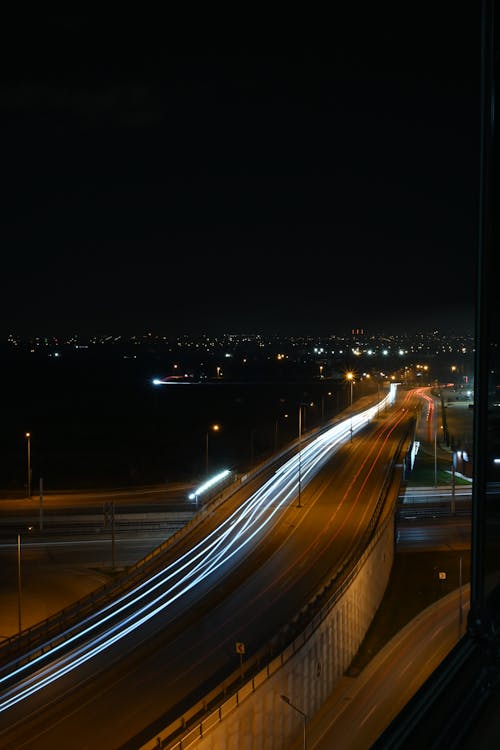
<point>101,422</point>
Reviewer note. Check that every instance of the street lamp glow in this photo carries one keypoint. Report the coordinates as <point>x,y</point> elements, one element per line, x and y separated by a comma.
<point>236,534</point>
<point>19,584</point>
<point>349,376</point>
<point>214,428</point>
<point>300,449</point>
<point>209,483</point>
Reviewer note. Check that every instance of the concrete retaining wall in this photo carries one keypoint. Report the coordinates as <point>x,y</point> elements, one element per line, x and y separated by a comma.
<point>255,718</point>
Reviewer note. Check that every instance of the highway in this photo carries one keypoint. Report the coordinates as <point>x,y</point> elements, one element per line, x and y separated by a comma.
<point>374,696</point>
<point>75,552</point>
<point>372,700</point>
<point>243,577</point>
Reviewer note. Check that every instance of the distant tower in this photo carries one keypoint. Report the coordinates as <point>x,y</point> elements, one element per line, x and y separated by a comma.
<point>357,335</point>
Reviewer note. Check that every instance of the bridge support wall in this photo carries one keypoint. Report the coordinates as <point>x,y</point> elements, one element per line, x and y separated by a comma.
<point>307,672</point>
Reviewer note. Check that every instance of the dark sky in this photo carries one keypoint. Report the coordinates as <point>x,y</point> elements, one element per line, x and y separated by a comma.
<point>156,179</point>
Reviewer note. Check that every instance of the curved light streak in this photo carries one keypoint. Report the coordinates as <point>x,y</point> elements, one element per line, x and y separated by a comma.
<point>230,538</point>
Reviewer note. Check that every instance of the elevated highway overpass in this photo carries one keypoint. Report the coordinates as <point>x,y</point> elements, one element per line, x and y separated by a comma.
<point>255,570</point>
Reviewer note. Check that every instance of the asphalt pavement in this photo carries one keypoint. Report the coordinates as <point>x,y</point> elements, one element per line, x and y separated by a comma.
<point>33,587</point>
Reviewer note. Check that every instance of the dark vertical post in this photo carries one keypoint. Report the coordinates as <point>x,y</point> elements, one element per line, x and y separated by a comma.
<point>478,619</point>
<point>19,588</point>
<point>299,505</point>
<point>28,484</point>
<point>41,504</point>
<point>113,534</point>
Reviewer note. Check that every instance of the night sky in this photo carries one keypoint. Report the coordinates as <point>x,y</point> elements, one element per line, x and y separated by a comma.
<point>157,179</point>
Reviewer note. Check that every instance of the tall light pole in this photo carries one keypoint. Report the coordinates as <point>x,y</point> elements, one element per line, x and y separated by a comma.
<point>460,610</point>
<point>19,582</point>
<point>323,410</point>
<point>252,433</point>
<point>350,379</point>
<point>300,449</point>
<point>453,481</point>
<point>214,428</point>
<point>28,486</point>
<point>435,457</point>
<point>299,505</point>
<point>287,700</point>
<point>276,426</point>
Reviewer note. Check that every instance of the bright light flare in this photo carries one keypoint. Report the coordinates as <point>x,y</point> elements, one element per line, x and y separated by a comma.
<point>210,482</point>
<point>230,539</point>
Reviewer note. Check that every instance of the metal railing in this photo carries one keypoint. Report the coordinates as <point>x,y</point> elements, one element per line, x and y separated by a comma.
<point>191,724</point>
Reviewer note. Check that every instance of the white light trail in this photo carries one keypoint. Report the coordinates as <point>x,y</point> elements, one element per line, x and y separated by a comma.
<point>230,539</point>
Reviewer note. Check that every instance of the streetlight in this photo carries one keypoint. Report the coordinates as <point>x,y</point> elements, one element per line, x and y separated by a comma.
<point>287,700</point>
<point>435,458</point>
<point>214,428</point>
<point>28,486</point>
<point>252,434</point>
<point>276,425</point>
<point>323,404</point>
<point>310,403</point>
<point>19,587</point>
<point>350,379</point>
<point>19,582</point>
<point>300,449</point>
<point>299,505</point>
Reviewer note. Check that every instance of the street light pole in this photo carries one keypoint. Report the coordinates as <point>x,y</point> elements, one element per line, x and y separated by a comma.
<point>435,457</point>
<point>460,610</point>
<point>300,448</point>
<point>287,700</point>
<point>28,486</point>
<point>453,482</point>
<point>252,433</point>
<point>206,452</point>
<point>215,428</point>
<point>350,379</point>
<point>19,581</point>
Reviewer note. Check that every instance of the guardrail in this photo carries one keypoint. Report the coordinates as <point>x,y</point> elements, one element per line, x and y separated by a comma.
<point>434,510</point>
<point>192,724</point>
<point>45,635</point>
<point>49,632</point>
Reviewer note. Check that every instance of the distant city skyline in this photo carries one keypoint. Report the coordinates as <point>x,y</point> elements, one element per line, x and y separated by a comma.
<point>116,333</point>
<point>357,343</point>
